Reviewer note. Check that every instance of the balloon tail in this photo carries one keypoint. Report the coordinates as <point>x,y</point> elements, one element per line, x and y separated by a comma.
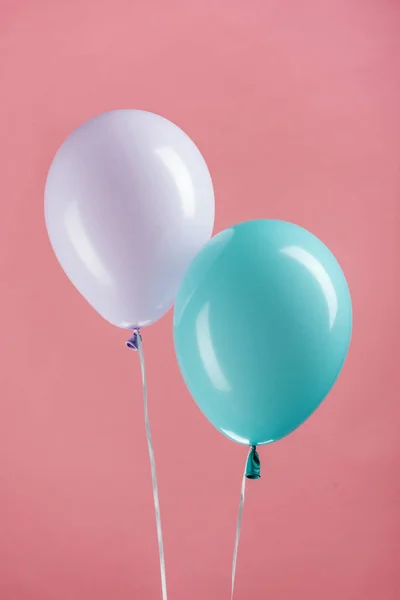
<point>251,471</point>
<point>253,465</point>
<point>135,343</point>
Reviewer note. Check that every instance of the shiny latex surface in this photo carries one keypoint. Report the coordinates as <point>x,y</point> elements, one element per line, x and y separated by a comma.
<point>262,326</point>
<point>129,202</point>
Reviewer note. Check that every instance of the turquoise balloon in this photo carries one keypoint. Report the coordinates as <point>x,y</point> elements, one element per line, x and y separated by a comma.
<point>262,326</point>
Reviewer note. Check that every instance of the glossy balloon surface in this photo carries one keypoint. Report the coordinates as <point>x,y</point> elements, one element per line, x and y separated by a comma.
<point>129,202</point>
<point>262,326</point>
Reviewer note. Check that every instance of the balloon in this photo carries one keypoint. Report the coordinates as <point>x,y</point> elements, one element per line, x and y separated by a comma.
<point>129,202</point>
<point>262,326</point>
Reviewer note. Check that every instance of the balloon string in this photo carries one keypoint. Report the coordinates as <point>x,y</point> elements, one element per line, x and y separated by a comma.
<point>153,470</point>
<point>239,525</point>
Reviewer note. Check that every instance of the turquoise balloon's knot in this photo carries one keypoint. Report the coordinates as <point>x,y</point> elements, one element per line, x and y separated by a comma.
<point>253,465</point>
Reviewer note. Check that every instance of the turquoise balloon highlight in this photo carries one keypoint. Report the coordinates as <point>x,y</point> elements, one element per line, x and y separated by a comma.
<point>262,326</point>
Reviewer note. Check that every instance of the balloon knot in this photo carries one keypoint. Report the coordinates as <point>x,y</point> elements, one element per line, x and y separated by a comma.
<point>253,465</point>
<point>132,343</point>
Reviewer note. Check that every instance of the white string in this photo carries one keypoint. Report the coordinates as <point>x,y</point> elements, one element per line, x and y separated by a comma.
<point>153,472</point>
<point>238,528</point>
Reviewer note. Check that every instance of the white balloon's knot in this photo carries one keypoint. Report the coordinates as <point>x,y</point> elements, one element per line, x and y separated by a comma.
<point>132,343</point>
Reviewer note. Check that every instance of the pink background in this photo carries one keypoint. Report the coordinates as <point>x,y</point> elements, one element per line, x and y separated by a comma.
<point>295,105</point>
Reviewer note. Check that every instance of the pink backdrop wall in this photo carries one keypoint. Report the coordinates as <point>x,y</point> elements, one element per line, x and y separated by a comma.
<point>295,105</point>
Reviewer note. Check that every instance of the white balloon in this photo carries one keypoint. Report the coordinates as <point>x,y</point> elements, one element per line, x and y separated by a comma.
<point>129,202</point>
